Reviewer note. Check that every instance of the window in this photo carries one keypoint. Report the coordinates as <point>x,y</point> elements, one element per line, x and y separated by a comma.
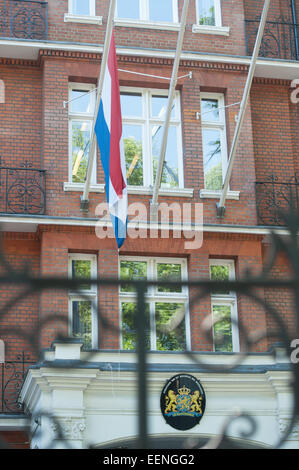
<point>143,114</point>
<point>165,11</point>
<point>224,308</point>
<point>208,12</point>
<point>163,304</point>
<point>213,139</point>
<point>82,7</point>
<point>81,113</point>
<point>82,11</point>
<point>83,301</point>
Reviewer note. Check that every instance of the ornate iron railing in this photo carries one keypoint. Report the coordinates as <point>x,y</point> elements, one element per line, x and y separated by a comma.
<point>22,189</point>
<point>12,377</point>
<point>273,198</point>
<point>23,19</point>
<point>280,39</point>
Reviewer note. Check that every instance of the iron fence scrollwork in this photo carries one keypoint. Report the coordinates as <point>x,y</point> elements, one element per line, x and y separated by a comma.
<point>22,189</point>
<point>275,197</point>
<point>12,377</point>
<point>280,39</point>
<point>24,19</point>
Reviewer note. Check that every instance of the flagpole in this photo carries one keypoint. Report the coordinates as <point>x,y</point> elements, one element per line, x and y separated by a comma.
<point>154,202</point>
<point>220,205</point>
<point>84,205</point>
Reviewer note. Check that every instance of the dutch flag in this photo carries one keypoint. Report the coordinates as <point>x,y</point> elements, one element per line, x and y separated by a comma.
<point>108,130</point>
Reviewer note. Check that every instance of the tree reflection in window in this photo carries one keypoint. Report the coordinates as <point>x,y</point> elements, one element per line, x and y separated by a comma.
<point>222,328</point>
<point>206,12</point>
<point>82,321</point>
<point>212,159</point>
<point>165,304</point>
<point>174,340</point>
<point>129,332</point>
<point>80,153</point>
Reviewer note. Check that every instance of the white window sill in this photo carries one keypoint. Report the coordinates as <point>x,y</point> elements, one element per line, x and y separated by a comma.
<point>146,24</point>
<point>69,18</point>
<point>100,188</point>
<point>207,29</point>
<point>215,194</point>
<point>79,187</point>
<point>176,192</point>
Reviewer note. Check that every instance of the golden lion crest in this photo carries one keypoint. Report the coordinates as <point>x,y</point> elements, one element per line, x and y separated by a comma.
<point>183,402</point>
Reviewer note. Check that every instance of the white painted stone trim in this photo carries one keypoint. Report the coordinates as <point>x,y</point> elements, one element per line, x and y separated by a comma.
<point>141,190</point>
<point>147,24</point>
<point>79,187</point>
<point>207,29</point>
<point>215,194</point>
<point>69,18</point>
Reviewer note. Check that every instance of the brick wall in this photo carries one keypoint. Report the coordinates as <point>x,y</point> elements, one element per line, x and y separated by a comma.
<point>50,307</point>
<point>282,301</point>
<point>272,130</point>
<point>15,439</point>
<point>20,125</point>
<point>19,305</point>
<point>232,16</point>
<point>58,72</point>
<point>278,8</point>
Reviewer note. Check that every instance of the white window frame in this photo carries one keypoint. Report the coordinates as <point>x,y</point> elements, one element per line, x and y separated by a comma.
<point>144,20</point>
<point>211,29</point>
<point>227,299</point>
<point>91,18</point>
<point>153,296</point>
<point>73,116</point>
<point>147,121</point>
<point>219,125</point>
<point>85,295</point>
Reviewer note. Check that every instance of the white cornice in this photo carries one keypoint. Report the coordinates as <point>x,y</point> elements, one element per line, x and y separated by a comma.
<point>21,223</point>
<point>268,68</point>
<point>13,423</point>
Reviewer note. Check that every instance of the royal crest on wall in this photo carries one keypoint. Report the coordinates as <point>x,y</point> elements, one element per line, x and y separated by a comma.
<point>183,402</point>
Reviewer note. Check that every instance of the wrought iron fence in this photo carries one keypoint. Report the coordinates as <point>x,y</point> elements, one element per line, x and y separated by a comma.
<point>275,197</point>
<point>248,286</point>
<point>22,189</point>
<point>12,377</point>
<point>280,39</point>
<point>24,19</point>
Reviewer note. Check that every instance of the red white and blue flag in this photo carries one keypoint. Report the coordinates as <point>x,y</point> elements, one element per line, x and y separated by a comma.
<point>108,130</point>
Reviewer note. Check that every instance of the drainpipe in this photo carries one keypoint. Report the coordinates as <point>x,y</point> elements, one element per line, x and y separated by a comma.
<point>295,28</point>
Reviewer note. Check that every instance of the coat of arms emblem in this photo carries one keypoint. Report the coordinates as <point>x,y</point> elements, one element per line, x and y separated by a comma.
<point>183,401</point>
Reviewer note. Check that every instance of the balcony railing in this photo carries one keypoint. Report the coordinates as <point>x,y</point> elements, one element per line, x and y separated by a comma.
<point>24,19</point>
<point>280,39</point>
<point>275,198</point>
<point>11,381</point>
<point>22,190</point>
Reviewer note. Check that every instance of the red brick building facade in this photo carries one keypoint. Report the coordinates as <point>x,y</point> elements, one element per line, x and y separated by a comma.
<point>60,56</point>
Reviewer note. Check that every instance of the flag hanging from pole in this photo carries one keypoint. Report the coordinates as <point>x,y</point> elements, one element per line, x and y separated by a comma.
<point>108,130</point>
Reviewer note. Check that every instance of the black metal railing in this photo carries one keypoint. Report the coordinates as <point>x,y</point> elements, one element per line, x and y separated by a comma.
<point>22,189</point>
<point>12,377</point>
<point>280,39</point>
<point>24,19</point>
<point>274,198</point>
